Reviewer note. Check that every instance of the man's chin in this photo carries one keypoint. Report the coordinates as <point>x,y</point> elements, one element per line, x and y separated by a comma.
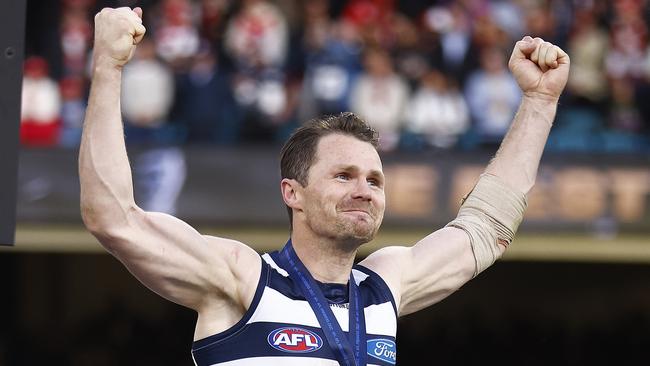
<point>355,232</point>
<point>360,236</point>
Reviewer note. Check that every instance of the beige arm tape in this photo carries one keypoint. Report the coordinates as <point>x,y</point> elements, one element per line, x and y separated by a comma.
<point>490,214</point>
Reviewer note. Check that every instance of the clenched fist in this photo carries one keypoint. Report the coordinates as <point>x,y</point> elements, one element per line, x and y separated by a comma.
<point>540,68</point>
<point>117,32</point>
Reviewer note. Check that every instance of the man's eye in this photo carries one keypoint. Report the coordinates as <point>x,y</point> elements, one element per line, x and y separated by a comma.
<point>374,183</point>
<point>342,176</point>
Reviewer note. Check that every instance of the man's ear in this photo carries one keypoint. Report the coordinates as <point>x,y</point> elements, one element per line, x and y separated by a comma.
<point>291,193</point>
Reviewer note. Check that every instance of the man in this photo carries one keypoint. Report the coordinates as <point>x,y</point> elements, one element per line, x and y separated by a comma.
<point>308,304</point>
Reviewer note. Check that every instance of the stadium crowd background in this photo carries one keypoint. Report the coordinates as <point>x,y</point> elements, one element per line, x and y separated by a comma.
<point>426,74</point>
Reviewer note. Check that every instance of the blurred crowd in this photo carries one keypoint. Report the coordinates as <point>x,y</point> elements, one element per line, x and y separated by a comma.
<point>426,74</point>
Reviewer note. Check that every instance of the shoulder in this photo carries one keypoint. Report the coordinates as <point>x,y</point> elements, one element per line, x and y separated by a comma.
<point>386,265</point>
<point>242,261</point>
<point>237,253</point>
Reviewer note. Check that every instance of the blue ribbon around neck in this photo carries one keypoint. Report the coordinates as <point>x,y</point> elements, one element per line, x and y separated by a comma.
<point>351,350</point>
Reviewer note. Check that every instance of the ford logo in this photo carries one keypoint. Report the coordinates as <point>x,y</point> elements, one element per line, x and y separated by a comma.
<point>383,349</point>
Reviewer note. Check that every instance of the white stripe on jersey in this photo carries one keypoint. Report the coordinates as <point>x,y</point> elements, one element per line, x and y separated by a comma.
<point>358,275</point>
<point>267,258</point>
<point>277,308</point>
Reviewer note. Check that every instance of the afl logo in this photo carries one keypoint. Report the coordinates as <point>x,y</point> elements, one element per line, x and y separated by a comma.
<point>294,340</point>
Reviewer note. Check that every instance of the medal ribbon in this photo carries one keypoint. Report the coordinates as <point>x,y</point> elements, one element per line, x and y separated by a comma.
<point>351,350</point>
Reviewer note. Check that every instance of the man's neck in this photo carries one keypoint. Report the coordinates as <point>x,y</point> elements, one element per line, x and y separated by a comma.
<point>326,261</point>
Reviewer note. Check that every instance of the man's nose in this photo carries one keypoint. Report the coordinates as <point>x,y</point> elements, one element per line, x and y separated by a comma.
<point>362,190</point>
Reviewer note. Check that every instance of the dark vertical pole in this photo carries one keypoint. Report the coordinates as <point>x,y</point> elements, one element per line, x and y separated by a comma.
<point>12,44</point>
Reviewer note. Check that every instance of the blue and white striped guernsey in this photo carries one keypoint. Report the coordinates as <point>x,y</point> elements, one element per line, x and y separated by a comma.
<point>280,327</point>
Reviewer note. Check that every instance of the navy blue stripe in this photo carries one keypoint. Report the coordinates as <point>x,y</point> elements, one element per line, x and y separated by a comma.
<point>386,293</point>
<point>376,294</point>
<point>252,342</point>
<point>334,292</point>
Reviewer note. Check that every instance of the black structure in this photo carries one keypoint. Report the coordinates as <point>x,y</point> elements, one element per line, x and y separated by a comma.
<point>12,41</point>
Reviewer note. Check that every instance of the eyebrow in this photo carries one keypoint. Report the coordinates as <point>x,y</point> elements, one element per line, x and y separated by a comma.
<point>353,168</point>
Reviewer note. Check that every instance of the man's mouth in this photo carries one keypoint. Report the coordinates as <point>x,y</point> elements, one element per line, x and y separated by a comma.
<point>357,211</point>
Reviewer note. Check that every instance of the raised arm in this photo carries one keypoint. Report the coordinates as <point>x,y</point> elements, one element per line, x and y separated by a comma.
<point>541,70</point>
<point>203,273</point>
<point>443,261</point>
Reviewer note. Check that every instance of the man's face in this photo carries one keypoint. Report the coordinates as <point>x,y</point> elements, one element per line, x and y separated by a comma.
<point>344,197</point>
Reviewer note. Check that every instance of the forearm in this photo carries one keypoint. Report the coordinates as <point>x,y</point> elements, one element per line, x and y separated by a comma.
<point>104,171</point>
<point>517,160</point>
<point>492,212</point>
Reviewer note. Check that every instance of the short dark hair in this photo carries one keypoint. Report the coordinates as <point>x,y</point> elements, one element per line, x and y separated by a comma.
<point>298,153</point>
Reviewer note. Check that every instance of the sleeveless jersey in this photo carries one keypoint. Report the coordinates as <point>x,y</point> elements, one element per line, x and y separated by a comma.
<point>280,328</point>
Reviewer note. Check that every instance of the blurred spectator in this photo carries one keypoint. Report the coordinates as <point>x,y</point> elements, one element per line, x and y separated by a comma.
<point>256,40</point>
<point>177,37</point>
<point>76,31</point>
<point>437,114</point>
<point>452,25</point>
<point>629,33</point>
<point>509,15</point>
<point>332,53</point>
<point>204,103</point>
<point>371,20</point>
<point>380,96</point>
<point>412,58</point>
<point>41,104</point>
<point>73,109</point>
<point>147,96</point>
<point>487,32</point>
<point>213,13</point>
<point>493,97</point>
<point>540,21</point>
<point>626,63</point>
<point>588,46</point>
<point>148,88</point>
<point>263,103</point>
<point>257,36</point>
<point>582,117</point>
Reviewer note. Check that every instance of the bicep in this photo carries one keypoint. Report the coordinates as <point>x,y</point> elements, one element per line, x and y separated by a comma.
<point>174,260</point>
<point>427,272</point>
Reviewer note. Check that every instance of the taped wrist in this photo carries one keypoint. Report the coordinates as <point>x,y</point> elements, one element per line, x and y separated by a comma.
<point>490,214</point>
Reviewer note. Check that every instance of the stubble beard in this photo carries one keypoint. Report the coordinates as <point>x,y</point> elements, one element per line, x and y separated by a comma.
<point>351,234</point>
<point>356,234</point>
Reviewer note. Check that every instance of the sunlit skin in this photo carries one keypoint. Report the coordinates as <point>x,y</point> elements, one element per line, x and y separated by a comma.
<point>343,201</point>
